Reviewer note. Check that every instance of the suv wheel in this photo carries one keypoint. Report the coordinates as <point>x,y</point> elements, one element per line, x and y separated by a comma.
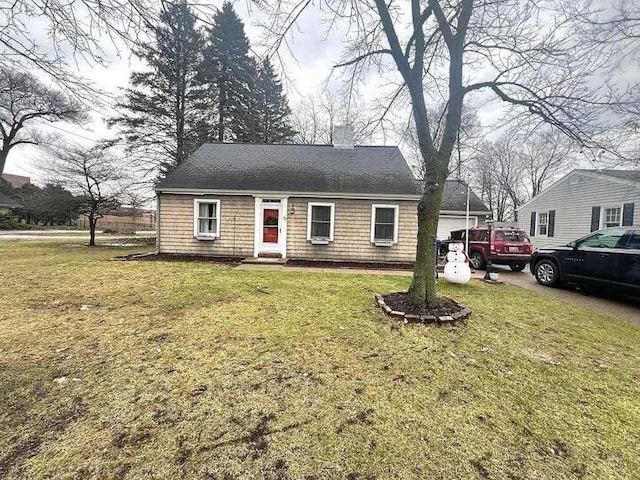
<point>477,261</point>
<point>546,273</point>
<point>517,268</point>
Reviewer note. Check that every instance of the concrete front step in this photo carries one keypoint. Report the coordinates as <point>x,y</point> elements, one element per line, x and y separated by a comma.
<point>265,260</point>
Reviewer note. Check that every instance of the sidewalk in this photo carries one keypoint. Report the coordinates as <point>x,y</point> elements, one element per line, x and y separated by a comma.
<point>350,270</point>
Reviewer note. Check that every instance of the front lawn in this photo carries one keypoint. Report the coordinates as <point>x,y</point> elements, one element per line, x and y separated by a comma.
<point>165,370</point>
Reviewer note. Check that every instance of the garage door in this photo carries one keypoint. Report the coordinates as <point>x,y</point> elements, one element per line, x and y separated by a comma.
<point>447,223</point>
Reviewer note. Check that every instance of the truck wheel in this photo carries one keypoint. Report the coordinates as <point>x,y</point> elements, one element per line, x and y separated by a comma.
<point>546,273</point>
<point>477,261</point>
<point>518,267</point>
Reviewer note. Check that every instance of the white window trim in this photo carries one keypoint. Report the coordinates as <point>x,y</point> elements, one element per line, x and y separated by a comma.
<point>538,234</point>
<point>310,206</point>
<point>603,215</point>
<point>196,210</point>
<point>373,221</point>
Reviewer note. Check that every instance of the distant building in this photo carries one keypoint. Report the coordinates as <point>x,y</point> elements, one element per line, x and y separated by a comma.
<point>125,219</point>
<point>16,181</point>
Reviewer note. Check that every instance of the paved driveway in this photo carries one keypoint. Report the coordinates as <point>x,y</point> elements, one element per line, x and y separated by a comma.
<point>627,310</point>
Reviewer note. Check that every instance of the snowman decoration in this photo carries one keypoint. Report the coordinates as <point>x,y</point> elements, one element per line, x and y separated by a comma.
<point>457,269</point>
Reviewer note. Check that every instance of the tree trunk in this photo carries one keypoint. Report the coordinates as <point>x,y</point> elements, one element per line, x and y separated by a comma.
<point>3,159</point>
<point>92,231</point>
<point>423,286</point>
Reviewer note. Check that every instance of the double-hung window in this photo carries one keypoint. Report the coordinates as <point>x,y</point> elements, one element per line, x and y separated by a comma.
<point>612,217</point>
<point>543,223</point>
<point>320,222</point>
<point>206,222</point>
<point>384,224</point>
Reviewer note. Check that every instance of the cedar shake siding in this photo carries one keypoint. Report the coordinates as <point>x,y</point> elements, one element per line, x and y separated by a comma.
<point>352,232</point>
<point>175,220</point>
<point>352,229</point>
<point>576,204</point>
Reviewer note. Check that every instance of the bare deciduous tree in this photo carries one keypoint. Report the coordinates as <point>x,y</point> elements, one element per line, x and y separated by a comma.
<point>518,165</point>
<point>94,176</point>
<point>314,118</point>
<point>23,102</point>
<point>520,51</point>
<point>76,32</point>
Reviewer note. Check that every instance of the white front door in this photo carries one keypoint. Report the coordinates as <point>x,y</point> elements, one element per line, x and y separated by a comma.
<point>270,235</point>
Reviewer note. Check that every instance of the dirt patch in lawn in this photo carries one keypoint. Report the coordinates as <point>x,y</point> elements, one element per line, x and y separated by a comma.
<point>170,257</point>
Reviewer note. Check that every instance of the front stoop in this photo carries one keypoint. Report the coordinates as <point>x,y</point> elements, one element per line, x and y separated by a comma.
<point>265,260</point>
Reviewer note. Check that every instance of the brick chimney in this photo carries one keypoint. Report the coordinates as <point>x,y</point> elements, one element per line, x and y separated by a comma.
<point>343,136</point>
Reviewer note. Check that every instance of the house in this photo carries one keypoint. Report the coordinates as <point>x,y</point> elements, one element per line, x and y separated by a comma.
<point>16,181</point>
<point>7,204</point>
<point>339,202</point>
<point>581,202</point>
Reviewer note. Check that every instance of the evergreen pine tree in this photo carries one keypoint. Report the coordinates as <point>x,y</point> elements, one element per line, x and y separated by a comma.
<point>272,111</point>
<point>231,74</point>
<point>165,105</point>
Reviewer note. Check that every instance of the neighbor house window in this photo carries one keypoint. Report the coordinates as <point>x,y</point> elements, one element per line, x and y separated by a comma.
<point>320,222</point>
<point>206,218</point>
<point>543,223</point>
<point>612,217</point>
<point>384,224</point>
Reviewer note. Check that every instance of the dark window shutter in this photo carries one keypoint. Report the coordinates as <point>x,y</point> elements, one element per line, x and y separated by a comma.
<point>627,214</point>
<point>532,229</point>
<point>551,228</point>
<point>595,218</point>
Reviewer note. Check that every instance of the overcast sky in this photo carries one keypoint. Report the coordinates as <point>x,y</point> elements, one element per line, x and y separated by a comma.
<point>314,53</point>
<point>306,75</point>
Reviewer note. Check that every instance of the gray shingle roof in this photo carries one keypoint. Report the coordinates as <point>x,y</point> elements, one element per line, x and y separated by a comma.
<point>8,202</point>
<point>454,198</point>
<point>630,175</point>
<point>294,168</point>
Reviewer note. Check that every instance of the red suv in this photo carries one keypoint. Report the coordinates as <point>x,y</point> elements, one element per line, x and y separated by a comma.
<point>508,246</point>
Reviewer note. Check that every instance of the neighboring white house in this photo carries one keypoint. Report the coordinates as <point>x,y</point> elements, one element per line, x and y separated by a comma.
<point>581,202</point>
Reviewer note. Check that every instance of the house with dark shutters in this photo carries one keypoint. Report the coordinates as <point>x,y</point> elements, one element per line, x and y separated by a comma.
<point>338,202</point>
<point>581,202</point>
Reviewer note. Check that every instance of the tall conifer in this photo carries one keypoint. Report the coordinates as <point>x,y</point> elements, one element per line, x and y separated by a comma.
<point>272,111</point>
<point>230,73</point>
<point>163,110</point>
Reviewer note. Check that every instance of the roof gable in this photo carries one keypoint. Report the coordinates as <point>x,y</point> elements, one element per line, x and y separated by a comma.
<point>454,198</point>
<point>623,177</point>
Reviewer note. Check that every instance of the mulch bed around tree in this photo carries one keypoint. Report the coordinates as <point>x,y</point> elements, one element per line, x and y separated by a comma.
<point>396,305</point>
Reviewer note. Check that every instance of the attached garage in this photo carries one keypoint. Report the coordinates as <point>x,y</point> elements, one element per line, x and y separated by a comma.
<point>448,223</point>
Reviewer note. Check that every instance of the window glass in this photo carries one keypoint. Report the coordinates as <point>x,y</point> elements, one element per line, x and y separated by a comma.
<point>612,217</point>
<point>482,236</point>
<point>543,220</point>
<point>604,239</point>
<point>634,241</point>
<point>384,223</point>
<point>207,218</point>
<point>320,221</point>
<point>511,235</point>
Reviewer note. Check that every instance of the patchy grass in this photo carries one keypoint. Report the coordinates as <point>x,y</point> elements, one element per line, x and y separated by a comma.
<point>197,370</point>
